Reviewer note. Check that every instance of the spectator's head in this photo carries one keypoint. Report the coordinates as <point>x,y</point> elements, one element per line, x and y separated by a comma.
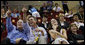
<point>44,18</point>
<point>75,17</point>
<point>30,6</point>
<point>20,24</point>
<point>44,4</point>
<point>73,27</point>
<point>81,9</point>
<point>2,11</point>
<point>54,22</point>
<point>14,11</point>
<point>32,21</point>
<point>61,17</point>
<point>56,4</point>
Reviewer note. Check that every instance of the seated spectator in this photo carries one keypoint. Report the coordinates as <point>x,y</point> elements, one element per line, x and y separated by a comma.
<point>16,34</point>
<point>15,14</point>
<point>33,11</point>
<point>57,8</point>
<point>58,34</point>
<point>80,13</point>
<point>44,23</point>
<point>64,24</point>
<point>43,9</point>
<point>3,15</point>
<point>78,22</point>
<point>38,35</point>
<point>49,6</point>
<point>65,6</point>
<point>73,36</point>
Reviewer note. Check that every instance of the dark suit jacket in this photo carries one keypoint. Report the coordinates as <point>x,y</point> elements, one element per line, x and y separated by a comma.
<point>65,26</point>
<point>42,25</point>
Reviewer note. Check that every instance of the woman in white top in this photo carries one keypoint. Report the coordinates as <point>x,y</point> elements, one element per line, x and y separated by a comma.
<point>59,35</point>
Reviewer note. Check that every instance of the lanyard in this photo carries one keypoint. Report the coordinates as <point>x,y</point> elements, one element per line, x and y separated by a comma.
<point>36,39</point>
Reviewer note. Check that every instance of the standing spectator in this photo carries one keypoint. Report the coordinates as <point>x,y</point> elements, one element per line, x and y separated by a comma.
<point>81,3</point>
<point>57,8</point>
<point>43,9</point>
<point>33,11</point>
<point>49,6</point>
<point>65,6</point>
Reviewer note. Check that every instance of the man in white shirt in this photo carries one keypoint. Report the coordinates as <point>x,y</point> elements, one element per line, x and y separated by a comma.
<point>37,34</point>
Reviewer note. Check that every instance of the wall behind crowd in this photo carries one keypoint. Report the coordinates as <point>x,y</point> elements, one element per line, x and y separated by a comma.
<point>37,4</point>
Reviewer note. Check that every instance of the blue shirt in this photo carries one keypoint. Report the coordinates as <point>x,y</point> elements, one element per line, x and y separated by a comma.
<point>33,10</point>
<point>15,15</point>
<point>14,33</point>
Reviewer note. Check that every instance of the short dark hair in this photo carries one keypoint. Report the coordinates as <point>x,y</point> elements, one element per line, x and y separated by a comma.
<point>56,3</point>
<point>33,17</point>
<point>75,15</point>
<point>30,6</point>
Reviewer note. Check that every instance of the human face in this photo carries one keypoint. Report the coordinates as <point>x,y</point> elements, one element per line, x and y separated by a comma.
<point>75,17</point>
<point>44,19</point>
<point>15,10</point>
<point>20,24</point>
<point>54,22</point>
<point>2,11</point>
<point>61,18</point>
<point>32,21</point>
<point>81,10</point>
<point>73,28</point>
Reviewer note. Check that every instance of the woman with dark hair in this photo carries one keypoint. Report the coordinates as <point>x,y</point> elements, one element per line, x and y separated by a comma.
<point>73,36</point>
<point>33,11</point>
<point>58,35</point>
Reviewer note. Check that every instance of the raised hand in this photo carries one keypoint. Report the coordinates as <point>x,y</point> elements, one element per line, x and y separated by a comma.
<point>24,10</point>
<point>18,40</point>
<point>8,13</point>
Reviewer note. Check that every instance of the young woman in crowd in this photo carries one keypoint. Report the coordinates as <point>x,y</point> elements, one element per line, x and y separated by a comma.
<point>58,34</point>
<point>73,36</point>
